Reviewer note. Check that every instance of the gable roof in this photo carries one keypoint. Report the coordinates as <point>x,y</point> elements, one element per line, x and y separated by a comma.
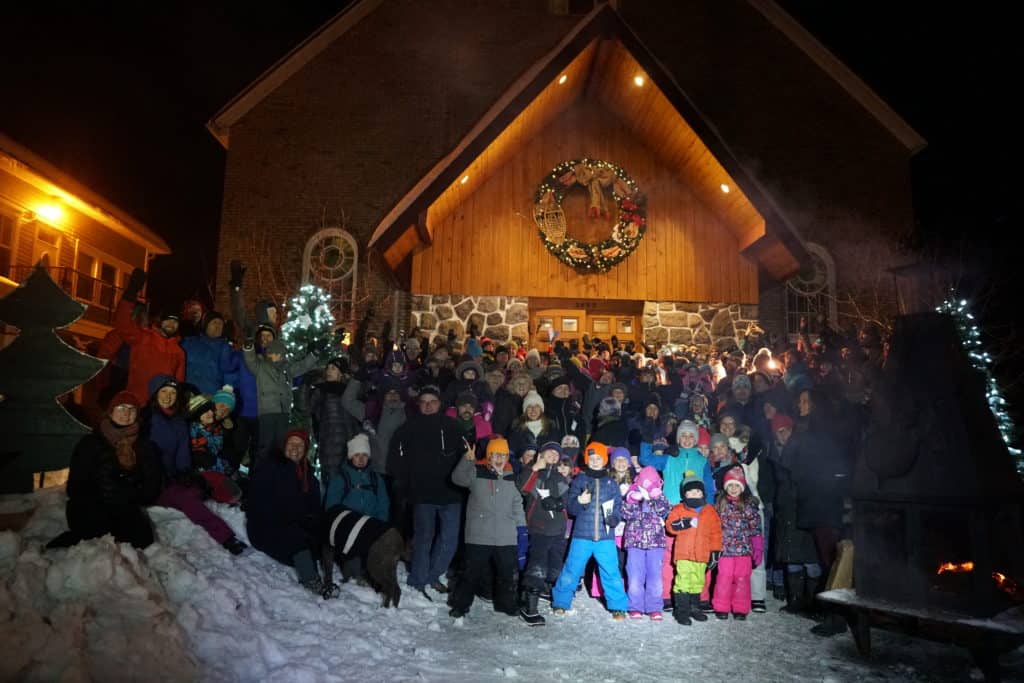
<point>283,69</point>
<point>220,123</point>
<point>50,180</point>
<point>762,231</point>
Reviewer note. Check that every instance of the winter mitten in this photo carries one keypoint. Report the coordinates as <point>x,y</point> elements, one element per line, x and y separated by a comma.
<point>758,544</point>
<point>682,524</point>
<point>713,560</point>
<point>612,521</point>
<point>135,283</point>
<point>644,494</point>
<point>237,273</point>
<point>635,495</point>
<point>656,492</point>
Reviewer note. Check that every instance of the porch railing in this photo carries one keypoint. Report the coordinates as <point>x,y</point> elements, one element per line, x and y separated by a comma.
<point>101,296</point>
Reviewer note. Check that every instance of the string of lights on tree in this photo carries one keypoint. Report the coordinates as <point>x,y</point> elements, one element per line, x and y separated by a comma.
<point>601,176</point>
<point>970,337</point>
<point>309,327</point>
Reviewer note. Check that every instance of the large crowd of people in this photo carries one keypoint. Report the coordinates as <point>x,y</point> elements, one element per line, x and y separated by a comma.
<point>658,480</point>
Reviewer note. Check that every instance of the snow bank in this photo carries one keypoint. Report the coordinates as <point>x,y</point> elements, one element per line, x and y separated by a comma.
<point>185,609</point>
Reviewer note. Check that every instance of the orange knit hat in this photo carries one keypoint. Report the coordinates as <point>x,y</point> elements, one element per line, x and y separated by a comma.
<point>596,448</point>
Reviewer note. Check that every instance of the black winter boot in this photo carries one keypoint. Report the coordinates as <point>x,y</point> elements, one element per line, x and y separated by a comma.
<point>695,611</point>
<point>796,586</point>
<point>528,612</point>
<point>682,608</point>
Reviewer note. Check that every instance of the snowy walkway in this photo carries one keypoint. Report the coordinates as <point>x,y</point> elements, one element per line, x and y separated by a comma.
<point>185,609</point>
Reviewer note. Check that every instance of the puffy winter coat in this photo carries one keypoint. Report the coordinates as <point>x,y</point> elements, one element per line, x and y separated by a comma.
<point>281,512</point>
<point>676,466</point>
<point>362,491</point>
<point>152,353</point>
<point>645,522</point>
<point>495,507</point>
<point>244,382</point>
<point>545,514</point>
<point>170,439</point>
<point>507,407</point>
<point>566,414</point>
<point>207,360</point>
<point>274,380</point>
<point>611,432</point>
<point>521,439</point>
<point>332,423</point>
<point>591,522</point>
<point>740,524</point>
<point>693,544</point>
<point>95,477</point>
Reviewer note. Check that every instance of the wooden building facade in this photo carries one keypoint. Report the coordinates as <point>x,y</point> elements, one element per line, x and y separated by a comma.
<point>435,160</point>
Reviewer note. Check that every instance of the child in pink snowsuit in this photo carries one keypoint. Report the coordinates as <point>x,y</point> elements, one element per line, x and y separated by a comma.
<point>742,546</point>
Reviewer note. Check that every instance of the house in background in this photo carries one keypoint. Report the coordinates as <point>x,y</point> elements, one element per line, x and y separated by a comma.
<point>396,158</point>
<point>87,244</point>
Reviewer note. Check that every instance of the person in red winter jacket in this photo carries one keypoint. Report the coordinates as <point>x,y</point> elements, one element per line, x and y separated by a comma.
<point>153,351</point>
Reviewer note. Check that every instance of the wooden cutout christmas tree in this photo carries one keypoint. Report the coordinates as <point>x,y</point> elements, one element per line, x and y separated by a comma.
<point>35,369</point>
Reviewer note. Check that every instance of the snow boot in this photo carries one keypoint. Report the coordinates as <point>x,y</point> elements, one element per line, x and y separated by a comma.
<point>667,605</point>
<point>695,611</point>
<point>528,612</point>
<point>705,605</point>
<point>739,616</point>
<point>619,616</point>
<point>796,588</point>
<point>234,546</point>
<point>721,615</point>
<point>758,606</point>
<point>682,610</point>
<point>457,612</point>
<point>439,587</point>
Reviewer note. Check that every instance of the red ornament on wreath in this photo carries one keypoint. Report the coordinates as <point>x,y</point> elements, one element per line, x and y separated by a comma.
<point>600,179</point>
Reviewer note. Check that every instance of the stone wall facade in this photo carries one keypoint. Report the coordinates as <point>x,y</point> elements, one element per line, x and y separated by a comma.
<point>705,325</point>
<point>499,317</point>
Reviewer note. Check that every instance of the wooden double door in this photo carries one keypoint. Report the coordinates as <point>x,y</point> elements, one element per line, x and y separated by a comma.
<point>569,319</point>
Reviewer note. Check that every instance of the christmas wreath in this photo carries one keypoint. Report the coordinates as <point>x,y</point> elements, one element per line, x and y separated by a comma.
<point>598,178</point>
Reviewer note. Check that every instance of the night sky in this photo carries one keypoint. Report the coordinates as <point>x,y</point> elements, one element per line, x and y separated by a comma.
<point>118,99</point>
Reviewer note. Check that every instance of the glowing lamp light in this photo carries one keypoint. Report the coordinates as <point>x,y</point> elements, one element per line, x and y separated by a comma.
<point>465,179</point>
<point>50,212</point>
<point>563,79</point>
<point>638,80</point>
<point>725,188</point>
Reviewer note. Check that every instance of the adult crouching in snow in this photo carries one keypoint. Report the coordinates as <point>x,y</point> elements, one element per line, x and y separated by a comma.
<point>113,475</point>
<point>164,426</point>
<point>283,506</point>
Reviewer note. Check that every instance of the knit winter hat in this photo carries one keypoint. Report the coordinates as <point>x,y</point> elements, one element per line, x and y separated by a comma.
<point>652,400</point>
<point>691,483</point>
<point>609,407</point>
<point>735,474</point>
<point>687,427</point>
<point>599,449</point>
<point>559,381</point>
<point>210,317</point>
<point>266,328</point>
<point>498,445</point>
<point>619,452</point>
<point>741,381</point>
<point>571,445</point>
<point>473,349</point>
<point>159,382</point>
<point>199,404</point>
<point>780,421</point>
<point>225,395</point>
<point>340,362</point>
<point>719,439</point>
<point>298,433</point>
<point>123,398</point>
<point>469,365</point>
<point>360,443</point>
<point>705,438</point>
<point>532,398</point>
<point>467,398</point>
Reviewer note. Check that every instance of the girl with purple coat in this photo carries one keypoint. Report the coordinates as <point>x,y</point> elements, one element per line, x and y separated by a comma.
<point>644,511</point>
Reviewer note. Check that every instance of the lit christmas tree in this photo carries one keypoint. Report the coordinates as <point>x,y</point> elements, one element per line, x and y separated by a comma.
<point>970,337</point>
<point>310,324</point>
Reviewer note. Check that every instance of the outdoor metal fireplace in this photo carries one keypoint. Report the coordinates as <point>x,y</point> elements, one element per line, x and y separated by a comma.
<point>937,500</point>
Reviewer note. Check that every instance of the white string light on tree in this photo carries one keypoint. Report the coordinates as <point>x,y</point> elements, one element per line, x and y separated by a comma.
<point>310,323</point>
<point>970,337</point>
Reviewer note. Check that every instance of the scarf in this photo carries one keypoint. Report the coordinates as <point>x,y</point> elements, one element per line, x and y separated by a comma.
<point>302,472</point>
<point>123,441</point>
<point>534,426</point>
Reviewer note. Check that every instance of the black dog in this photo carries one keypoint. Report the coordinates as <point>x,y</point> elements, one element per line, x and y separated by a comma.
<point>347,534</point>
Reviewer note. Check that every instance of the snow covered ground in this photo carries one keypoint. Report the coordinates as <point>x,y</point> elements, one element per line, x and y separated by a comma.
<point>185,609</point>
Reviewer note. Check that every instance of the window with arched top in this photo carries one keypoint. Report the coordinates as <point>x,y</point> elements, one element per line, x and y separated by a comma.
<point>331,261</point>
<point>811,292</point>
